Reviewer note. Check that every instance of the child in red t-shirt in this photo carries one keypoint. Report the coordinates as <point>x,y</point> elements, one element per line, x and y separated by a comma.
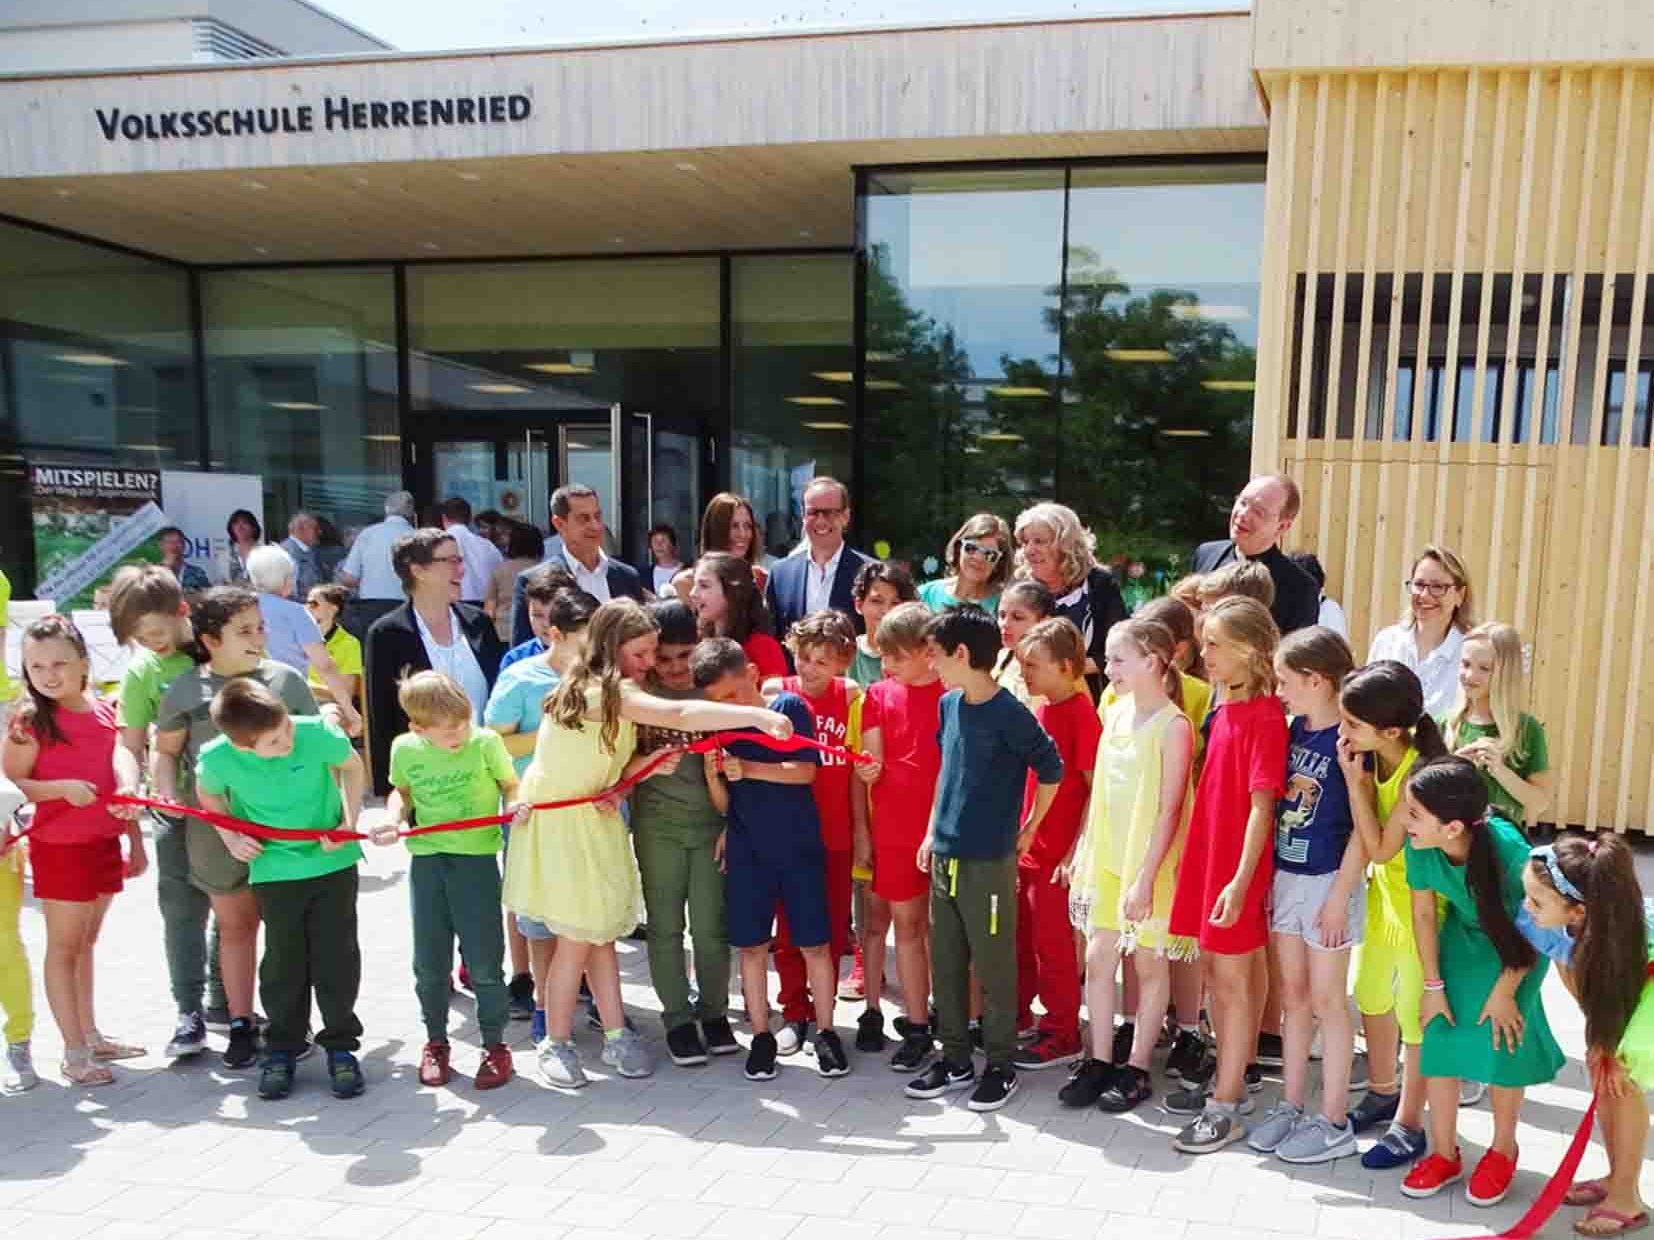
<point>900,718</point>
<point>822,646</point>
<point>1052,654</point>
<point>1228,863</point>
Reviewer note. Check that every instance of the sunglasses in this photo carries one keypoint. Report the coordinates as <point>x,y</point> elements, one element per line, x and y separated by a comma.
<point>970,546</point>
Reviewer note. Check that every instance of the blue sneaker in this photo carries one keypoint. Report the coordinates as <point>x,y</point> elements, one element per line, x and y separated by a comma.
<point>537,1026</point>
<point>275,1079</point>
<point>345,1073</point>
<point>1397,1148</point>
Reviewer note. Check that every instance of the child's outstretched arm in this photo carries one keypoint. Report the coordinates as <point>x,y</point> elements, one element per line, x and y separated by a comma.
<point>694,715</point>
<point>792,771</point>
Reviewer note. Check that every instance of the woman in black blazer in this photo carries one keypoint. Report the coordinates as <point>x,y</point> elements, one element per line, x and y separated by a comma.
<point>433,629</point>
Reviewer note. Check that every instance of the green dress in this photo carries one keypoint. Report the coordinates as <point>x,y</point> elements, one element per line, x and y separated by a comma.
<point>1470,967</point>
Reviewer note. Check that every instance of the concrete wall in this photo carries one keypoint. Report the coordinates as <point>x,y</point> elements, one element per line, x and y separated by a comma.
<point>96,45</point>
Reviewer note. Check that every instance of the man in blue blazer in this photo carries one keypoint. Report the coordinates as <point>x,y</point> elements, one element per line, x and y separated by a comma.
<point>821,574</point>
<point>577,516</point>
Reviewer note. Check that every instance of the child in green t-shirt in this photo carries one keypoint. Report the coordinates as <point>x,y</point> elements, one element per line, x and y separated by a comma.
<point>1488,726</point>
<point>444,769</point>
<point>147,609</point>
<point>300,773</point>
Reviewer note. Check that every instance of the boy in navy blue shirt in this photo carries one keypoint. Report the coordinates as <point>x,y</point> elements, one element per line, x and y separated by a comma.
<point>989,743</point>
<point>772,852</point>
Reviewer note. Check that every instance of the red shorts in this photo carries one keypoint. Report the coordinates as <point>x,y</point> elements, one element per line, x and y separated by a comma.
<point>896,873</point>
<point>78,873</point>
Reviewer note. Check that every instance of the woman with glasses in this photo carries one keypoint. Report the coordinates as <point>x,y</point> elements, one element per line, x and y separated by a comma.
<point>433,630</point>
<point>978,559</point>
<point>1430,634</point>
<point>1054,549</point>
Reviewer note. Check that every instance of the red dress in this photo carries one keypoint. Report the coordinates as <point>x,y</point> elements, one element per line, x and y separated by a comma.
<point>1245,753</point>
<point>908,718</point>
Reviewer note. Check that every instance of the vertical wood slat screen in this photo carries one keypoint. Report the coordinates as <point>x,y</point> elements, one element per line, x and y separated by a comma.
<point>1452,349</point>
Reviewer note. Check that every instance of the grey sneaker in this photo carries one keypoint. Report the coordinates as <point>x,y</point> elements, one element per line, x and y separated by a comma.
<point>560,1065</point>
<point>628,1054</point>
<point>1471,1092</point>
<point>1212,1129</point>
<point>1317,1140</point>
<point>1275,1127</point>
<point>1194,1099</point>
<point>17,1073</point>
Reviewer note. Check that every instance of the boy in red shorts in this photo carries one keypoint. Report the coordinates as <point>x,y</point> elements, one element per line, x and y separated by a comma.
<point>822,645</point>
<point>900,717</point>
<point>1053,661</point>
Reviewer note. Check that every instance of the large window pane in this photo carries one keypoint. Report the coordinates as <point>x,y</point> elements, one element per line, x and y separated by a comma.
<point>96,368</point>
<point>964,272</point>
<point>1159,342</point>
<point>792,373</point>
<point>301,373</point>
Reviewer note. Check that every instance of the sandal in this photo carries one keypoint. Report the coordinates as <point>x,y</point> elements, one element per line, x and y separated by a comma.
<point>1586,1193</point>
<point>79,1069</point>
<point>1623,1224</point>
<point>107,1048</point>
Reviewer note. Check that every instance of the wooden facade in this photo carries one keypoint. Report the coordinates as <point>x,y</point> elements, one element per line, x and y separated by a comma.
<point>1455,348</point>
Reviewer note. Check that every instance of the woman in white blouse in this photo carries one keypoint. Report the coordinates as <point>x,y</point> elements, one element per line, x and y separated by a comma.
<point>1430,634</point>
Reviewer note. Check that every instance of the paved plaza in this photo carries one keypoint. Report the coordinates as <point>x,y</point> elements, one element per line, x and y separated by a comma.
<point>189,1151</point>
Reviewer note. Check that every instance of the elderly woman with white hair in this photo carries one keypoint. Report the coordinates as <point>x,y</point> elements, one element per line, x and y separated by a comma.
<point>291,635</point>
<point>1056,550</point>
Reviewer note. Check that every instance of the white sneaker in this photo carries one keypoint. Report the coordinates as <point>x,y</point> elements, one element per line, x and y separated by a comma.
<point>17,1073</point>
<point>789,1039</point>
<point>560,1065</point>
<point>1471,1092</point>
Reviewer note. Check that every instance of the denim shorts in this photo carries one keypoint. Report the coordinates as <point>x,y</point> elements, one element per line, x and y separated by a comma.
<point>536,931</point>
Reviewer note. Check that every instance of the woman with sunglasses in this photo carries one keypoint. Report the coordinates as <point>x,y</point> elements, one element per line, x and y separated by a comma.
<point>978,559</point>
<point>1430,634</point>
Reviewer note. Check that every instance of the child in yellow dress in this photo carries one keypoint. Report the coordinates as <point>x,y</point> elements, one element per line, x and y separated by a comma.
<point>573,869</point>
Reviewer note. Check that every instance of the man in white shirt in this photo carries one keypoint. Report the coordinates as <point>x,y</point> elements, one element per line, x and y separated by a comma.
<point>577,516</point>
<point>367,569</point>
<point>481,556</point>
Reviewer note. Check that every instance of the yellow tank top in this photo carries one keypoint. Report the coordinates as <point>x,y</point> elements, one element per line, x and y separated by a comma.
<point>1392,914</point>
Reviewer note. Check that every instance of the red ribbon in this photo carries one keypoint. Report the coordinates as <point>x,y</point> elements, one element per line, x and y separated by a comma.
<point>702,745</point>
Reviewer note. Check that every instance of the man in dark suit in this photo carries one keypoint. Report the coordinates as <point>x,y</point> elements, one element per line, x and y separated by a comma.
<point>577,516</point>
<point>1261,516</point>
<point>821,574</point>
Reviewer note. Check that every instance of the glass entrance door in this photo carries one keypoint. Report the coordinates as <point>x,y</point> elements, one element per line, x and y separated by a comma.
<point>663,472</point>
<point>509,472</point>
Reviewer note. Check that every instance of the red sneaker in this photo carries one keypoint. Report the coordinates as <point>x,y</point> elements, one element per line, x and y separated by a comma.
<point>1491,1180</point>
<point>1047,1051</point>
<point>1433,1173</point>
<point>433,1065</point>
<point>854,987</point>
<point>496,1067</point>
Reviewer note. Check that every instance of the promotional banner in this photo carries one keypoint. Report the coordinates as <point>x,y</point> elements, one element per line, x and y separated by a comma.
<point>87,523</point>
<point>201,504</point>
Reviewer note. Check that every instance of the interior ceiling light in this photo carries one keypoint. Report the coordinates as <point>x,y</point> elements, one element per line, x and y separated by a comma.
<point>298,406</point>
<point>1228,385</point>
<point>383,438</point>
<point>1186,432</point>
<point>834,376</point>
<point>88,359</point>
<point>873,355</point>
<point>1199,310</point>
<point>827,426</point>
<point>814,400</point>
<point>882,385</point>
<point>1137,355</point>
<point>1018,392</point>
<point>559,368</point>
<point>1000,437</point>
<point>499,389</point>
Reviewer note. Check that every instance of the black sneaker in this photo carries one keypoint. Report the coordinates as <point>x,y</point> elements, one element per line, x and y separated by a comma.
<point>1374,1109</point>
<point>1191,1099</point>
<point>521,990</point>
<point>1125,1033</point>
<point>830,1058</point>
<point>916,1047</point>
<point>1086,1083</point>
<point>276,1079</point>
<point>761,1058</point>
<point>1186,1053</point>
<point>870,1032</point>
<point>719,1037</point>
<point>683,1044</point>
<point>994,1090</point>
<point>242,1052</point>
<point>1271,1051</point>
<point>1130,1089</point>
<point>189,1036</point>
<point>345,1074</point>
<point>941,1078</point>
<point>1254,1078</point>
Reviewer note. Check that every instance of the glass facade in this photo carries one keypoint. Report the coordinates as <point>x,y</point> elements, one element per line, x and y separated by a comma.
<point>1084,333</point>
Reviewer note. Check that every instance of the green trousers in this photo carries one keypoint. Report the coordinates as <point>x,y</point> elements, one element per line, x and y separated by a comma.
<point>310,947</point>
<point>679,871</point>
<point>973,922</point>
<point>458,897</point>
<point>191,947</point>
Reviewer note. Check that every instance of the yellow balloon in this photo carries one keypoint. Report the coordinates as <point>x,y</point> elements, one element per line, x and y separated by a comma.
<point>882,549</point>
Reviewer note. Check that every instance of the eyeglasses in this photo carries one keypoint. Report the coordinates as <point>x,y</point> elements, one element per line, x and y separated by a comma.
<point>970,546</point>
<point>1435,589</point>
<point>812,513</point>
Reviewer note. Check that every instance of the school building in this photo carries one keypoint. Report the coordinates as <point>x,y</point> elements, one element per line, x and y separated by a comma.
<point>1400,248</point>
